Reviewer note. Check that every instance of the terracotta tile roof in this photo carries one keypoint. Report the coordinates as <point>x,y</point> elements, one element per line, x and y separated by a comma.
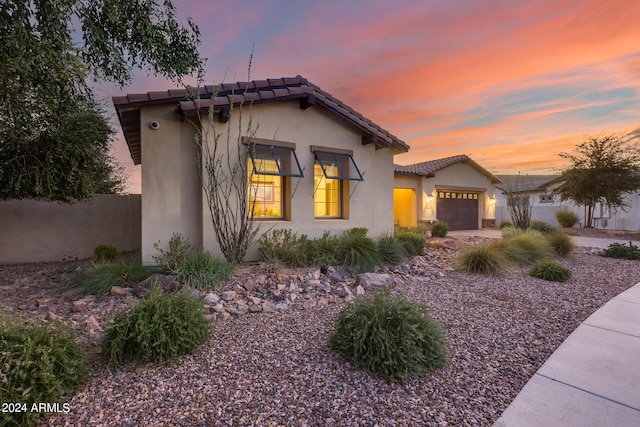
<point>226,95</point>
<point>430,167</point>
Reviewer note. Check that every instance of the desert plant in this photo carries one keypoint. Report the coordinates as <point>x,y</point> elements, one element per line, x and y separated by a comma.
<point>359,251</point>
<point>618,250</point>
<point>550,270</point>
<point>284,246</point>
<point>99,277</point>
<point>504,224</point>
<point>105,253</point>
<point>157,329</point>
<point>418,229</point>
<point>389,337</point>
<point>439,229</point>
<point>561,243</point>
<point>412,243</point>
<point>37,364</point>
<point>567,219</point>
<point>201,270</point>
<point>526,247</point>
<point>356,231</point>
<point>179,248</point>
<point>390,249</point>
<point>483,259</point>
<point>542,227</point>
<point>323,250</point>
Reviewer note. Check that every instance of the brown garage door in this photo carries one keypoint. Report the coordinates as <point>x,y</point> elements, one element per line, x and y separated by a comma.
<point>458,209</point>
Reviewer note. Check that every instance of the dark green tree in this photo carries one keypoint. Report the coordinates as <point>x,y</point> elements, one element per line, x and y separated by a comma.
<point>602,170</point>
<point>54,138</point>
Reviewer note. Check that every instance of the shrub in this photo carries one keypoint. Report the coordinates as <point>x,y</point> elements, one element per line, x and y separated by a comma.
<point>542,227</point>
<point>567,219</point>
<point>390,249</point>
<point>484,259</point>
<point>323,250</point>
<point>526,247</point>
<point>284,246</point>
<point>618,250</point>
<point>201,270</point>
<point>421,229</point>
<point>412,243</point>
<point>389,337</point>
<point>37,364</point>
<point>359,251</point>
<point>551,271</point>
<point>157,329</point>
<point>504,224</point>
<point>100,277</point>
<point>179,248</point>
<point>561,243</point>
<point>105,253</point>
<point>356,231</point>
<point>439,229</point>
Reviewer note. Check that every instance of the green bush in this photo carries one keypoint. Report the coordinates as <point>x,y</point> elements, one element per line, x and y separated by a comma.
<point>567,219</point>
<point>412,243</point>
<point>284,246</point>
<point>322,251</point>
<point>357,231</point>
<point>439,229</point>
<point>483,259</point>
<point>420,229</point>
<point>526,247</point>
<point>179,248</point>
<point>390,249</point>
<point>157,329</point>
<point>389,337</point>
<point>551,271</point>
<point>201,270</point>
<point>542,227</point>
<point>105,253</point>
<point>618,250</point>
<point>37,364</point>
<point>504,224</point>
<point>99,277</point>
<point>359,251</point>
<point>561,243</point>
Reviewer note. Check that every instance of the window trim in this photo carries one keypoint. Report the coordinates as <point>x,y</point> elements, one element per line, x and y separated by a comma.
<point>339,157</point>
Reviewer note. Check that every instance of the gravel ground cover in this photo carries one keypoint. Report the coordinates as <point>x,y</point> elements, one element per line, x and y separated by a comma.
<point>275,369</point>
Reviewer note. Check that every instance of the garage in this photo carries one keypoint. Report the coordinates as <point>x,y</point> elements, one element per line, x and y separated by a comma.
<point>459,209</point>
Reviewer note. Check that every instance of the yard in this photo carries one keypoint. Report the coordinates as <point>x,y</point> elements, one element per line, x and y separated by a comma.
<point>276,368</point>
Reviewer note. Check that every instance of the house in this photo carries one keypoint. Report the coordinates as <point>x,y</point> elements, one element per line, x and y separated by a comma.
<point>456,190</point>
<point>545,204</point>
<point>315,164</point>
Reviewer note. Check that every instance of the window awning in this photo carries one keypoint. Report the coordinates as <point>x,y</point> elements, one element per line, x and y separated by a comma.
<point>264,157</point>
<point>338,165</point>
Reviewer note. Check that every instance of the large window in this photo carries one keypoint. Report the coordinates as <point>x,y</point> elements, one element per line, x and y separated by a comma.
<point>332,171</point>
<point>270,168</point>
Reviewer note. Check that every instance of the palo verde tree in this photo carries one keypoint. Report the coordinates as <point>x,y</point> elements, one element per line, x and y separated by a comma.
<point>54,138</point>
<point>602,170</point>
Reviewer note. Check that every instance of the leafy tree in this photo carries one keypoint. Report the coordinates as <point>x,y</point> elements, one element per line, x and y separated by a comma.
<point>602,170</point>
<point>48,116</point>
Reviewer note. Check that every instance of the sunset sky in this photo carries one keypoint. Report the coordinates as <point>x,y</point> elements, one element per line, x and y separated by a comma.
<point>509,83</point>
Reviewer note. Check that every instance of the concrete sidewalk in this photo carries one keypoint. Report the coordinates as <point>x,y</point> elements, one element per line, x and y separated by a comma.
<point>592,379</point>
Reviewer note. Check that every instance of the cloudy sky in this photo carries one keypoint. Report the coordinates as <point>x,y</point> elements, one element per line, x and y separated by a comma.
<point>510,83</point>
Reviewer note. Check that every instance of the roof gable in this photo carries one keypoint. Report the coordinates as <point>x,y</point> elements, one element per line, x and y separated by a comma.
<point>429,168</point>
<point>231,95</point>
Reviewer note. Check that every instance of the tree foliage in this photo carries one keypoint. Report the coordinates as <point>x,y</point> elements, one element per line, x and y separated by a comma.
<point>602,170</point>
<point>48,116</point>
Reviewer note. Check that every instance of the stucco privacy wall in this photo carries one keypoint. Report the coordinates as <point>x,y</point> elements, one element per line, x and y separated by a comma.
<point>370,202</point>
<point>34,231</point>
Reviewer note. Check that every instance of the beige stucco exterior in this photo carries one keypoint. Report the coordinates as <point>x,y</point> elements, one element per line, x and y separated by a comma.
<point>457,177</point>
<point>172,198</point>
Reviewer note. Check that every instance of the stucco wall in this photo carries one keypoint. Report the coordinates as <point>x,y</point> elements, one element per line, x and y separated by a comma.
<point>34,231</point>
<point>172,198</point>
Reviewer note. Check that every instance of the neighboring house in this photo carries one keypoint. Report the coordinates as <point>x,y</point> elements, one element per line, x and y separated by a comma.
<point>456,190</point>
<point>316,164</point>
<point>545,204</point>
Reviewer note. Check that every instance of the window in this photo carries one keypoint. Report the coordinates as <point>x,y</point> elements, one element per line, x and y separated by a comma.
<point>270,166</point>
<point>332,171</point>
<point>546,198</point>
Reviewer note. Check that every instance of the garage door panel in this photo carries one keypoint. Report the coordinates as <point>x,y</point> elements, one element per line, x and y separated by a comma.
<point>458,210</point>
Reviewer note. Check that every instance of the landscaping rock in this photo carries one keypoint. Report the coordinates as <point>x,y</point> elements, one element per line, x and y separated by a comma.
<point>118,291</point>
<point>211,298</point>
<point>375,280</point>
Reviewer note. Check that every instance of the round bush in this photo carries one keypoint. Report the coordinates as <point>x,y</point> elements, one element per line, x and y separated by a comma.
<point>106,253</point>
<point>157,329</point>
<point>561,243</point>
<point>567,219</point>
<point>390,250</point>
<point>439,229</point>
<point>551,271</point>
<point>357,250</point>
<point>504,224</point>
<point>412,243</point>
<point>201,270</point>
<point>526,247</point>
<point>389,337</point>
<point>37,364</point>
<point>542,227</point>
<point>484,259</point>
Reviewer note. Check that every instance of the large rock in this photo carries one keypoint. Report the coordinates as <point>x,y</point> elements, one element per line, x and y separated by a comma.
<point>167,282</point>
<point>375,280</point>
